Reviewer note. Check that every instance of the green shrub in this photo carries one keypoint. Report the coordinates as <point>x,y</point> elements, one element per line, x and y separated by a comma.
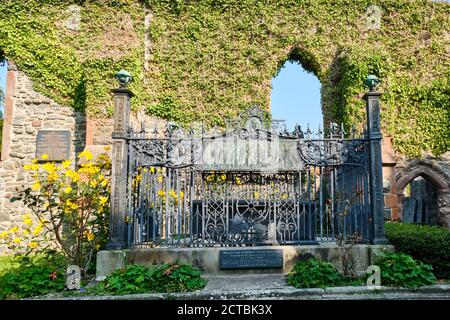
<point>430,245</point>
<point>313,273</point>
<point>174,277</point>
<point>401,270</point>
<point>31,277</point>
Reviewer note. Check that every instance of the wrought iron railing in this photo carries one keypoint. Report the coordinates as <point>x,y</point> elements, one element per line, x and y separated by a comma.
<point>250,185</point>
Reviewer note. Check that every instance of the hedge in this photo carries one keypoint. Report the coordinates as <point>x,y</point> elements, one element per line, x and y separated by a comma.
<point>429,244</point>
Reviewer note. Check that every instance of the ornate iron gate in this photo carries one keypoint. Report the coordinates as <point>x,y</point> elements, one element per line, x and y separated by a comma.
<point>253,183</point>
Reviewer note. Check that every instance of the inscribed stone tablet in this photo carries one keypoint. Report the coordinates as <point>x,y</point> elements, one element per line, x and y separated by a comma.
<point>245,259</point>
<point>54,143</point>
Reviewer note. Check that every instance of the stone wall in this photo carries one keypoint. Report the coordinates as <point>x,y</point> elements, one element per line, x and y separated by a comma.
<point>399,171</point>
<point>436,171</point>
<point>26,112</point>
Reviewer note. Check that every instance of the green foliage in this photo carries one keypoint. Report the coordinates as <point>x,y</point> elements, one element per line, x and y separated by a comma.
<point>401,270</point>
<point>428,244</point>
<point>70,205</point>
<point>32,277</point>
<point>210,59</point>
<point>174,277</point>
<point>313,273</point>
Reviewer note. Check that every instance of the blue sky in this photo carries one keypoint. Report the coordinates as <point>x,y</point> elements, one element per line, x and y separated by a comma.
<point>295,96</point>
<point>3,78</point>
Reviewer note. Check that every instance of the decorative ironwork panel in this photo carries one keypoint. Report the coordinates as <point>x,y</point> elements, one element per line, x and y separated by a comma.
<point>254,184</point>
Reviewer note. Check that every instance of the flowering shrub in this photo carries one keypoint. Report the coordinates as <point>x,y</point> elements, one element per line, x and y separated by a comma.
<point>70,205</point>
<point>27,237</point>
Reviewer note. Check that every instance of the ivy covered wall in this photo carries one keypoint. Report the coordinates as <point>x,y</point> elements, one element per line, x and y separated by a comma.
<point>196,60</point>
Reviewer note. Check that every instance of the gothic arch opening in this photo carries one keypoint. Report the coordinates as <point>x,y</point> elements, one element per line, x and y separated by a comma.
<point>419,202</point>
<point>296,91</point>
<point>423,194</point>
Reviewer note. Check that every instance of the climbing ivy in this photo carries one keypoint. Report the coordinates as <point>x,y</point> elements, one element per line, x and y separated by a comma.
<point>210,59</point>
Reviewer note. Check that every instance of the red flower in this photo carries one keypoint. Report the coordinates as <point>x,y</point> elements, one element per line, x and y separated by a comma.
<point>53,275</point>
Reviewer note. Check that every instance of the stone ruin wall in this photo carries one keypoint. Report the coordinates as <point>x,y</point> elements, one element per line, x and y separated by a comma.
<point>27,111</point>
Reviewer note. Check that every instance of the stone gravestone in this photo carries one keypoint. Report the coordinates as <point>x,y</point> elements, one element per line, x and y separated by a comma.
<point>54,143</point>
<point>418,192</point>
<point>73,278</point>
<point>409,210</point>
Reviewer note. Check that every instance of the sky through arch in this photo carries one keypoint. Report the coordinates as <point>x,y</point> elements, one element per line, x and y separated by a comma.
<point>295,97</point>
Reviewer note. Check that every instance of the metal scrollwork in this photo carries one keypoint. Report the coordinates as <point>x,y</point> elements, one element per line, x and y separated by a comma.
<point>256,183</point>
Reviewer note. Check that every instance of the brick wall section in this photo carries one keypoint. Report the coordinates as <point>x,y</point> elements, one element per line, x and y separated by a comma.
<point>29,112</point>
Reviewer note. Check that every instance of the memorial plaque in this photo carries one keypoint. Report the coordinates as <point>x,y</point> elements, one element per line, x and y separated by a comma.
<point>54,143</point>
<point>246,259</point>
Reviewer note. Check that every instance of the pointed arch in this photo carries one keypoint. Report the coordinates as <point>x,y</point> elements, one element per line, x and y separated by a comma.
<point>434,174</point>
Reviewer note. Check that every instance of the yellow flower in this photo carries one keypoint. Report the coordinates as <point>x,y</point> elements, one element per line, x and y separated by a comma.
<point>68,189</point>
<point>89,235</point>
<point>152,169</point>
<point>181,195</point>
<point>27,167</point>
<point>28,221</point>
<point>36,185</point>
<point>66,164</point>
<point>34,161</point>
<point>33,244</point>
<point>17,240</point>
<point>86,154</point>
<point>72,175</point>
<point>223,177</point>
<point>70,205</point>
<point>161,193</point>
<point>284,196</point>
<point>44,156</point>
<point>103,200</point>
<point>104,183</point>
<point>14,229</point>
<point>172,193</point>
<point>160,179</point>
<point>3,234</point>
<point>238,181</point>
<point>53,176</point>
<point>37,230</point>
<point>107,148</point>
<point>49,166</point>
<point>93,183</point>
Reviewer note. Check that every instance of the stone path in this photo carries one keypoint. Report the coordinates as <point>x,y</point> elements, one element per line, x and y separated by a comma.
<point>273,286</point>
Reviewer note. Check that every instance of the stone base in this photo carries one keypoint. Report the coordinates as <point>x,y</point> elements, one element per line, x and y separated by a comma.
<point>110,260</point>
<point>207,259</point>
